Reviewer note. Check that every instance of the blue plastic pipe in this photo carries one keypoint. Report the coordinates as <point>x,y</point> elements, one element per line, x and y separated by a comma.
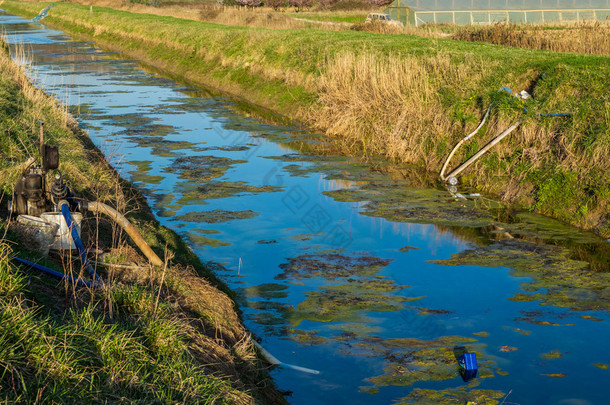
<point>56,274</point>
<point>563,114</point>
<point>65,210</point>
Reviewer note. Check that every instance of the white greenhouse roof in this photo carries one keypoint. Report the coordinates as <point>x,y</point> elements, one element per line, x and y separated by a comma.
<point>482,5</point>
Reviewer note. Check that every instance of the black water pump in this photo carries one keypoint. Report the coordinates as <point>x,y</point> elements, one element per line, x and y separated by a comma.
<point>30,195</point>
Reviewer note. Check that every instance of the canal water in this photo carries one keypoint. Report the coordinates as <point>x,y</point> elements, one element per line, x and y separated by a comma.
<point>375,278</point>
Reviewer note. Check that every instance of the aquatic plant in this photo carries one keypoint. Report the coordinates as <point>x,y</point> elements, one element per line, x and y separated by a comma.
<point>557,280</point>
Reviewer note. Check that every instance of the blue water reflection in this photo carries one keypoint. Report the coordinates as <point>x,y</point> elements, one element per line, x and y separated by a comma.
<point>248,201</point>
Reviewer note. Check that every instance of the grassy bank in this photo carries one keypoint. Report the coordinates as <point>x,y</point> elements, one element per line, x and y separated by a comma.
<point>404,97</point>
<point>150,335</point>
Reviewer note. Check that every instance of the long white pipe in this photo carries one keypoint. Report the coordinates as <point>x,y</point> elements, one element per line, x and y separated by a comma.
<point>467,137</point>
<point>486,148</point>
<point>274,360</point>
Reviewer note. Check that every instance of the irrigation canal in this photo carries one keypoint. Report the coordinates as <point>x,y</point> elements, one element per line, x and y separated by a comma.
<point>369,277</point>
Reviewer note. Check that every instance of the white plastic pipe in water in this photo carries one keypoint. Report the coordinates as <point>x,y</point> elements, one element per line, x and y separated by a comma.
<point>274,360</point>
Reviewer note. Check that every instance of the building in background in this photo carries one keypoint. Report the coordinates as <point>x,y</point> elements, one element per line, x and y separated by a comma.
<point>473,12</point>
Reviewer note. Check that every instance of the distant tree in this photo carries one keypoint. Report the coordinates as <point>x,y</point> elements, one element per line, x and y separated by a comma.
<point>379,2</point>
<point>250,3</point>
<point>276,4</point>
<point>301,4</point>
<point>327,3</point>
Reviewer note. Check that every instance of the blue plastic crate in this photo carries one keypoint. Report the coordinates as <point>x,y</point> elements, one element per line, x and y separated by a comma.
<point>468,365</point>
<point>468,361</point>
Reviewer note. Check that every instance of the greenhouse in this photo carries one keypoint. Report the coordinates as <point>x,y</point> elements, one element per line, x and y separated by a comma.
<point>478,12</point>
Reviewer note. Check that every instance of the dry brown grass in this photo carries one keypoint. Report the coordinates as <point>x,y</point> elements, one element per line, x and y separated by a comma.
<point>390,105</point>
<point>261,17</point>
<point>383,28</point>
<point>186,11</point>
<point>584,37</point>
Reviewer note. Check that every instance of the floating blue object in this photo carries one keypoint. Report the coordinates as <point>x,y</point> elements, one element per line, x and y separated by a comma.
<point>468,366</point>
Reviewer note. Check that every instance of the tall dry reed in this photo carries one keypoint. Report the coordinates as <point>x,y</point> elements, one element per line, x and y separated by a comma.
<point>584,37</point>
<point>391,105</point>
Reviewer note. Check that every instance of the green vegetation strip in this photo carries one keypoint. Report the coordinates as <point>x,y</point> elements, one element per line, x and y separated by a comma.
<point>148,336</point>
<point>407,98</point>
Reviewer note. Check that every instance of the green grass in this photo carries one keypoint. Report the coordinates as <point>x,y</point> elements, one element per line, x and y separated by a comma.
<point>84,356</point>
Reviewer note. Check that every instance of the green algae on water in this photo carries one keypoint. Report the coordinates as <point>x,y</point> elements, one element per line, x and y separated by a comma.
<point>216,216</point>
<point>408,361</point>
<point>395,202</point>
<point>551,355</point>
<point>349,302</point>
<point>201,168</point>
<point>160,146</point>
<point>452,396</point>
<point>330,266</point>
<point>557,280</point>
<point>267,291</point>
<point>194,193</point>
<point>163,205</point>
<point>202,240</point>
<point>535,226</point>
<point>306,338</point>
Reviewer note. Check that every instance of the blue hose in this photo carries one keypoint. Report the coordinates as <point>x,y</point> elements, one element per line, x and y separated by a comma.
<point>56,274</point>
<point>564,114</point>
<point>65,210</point>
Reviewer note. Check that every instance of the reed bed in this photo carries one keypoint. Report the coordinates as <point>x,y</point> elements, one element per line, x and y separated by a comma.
<point>389,105</point>
<point>583,37</point>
